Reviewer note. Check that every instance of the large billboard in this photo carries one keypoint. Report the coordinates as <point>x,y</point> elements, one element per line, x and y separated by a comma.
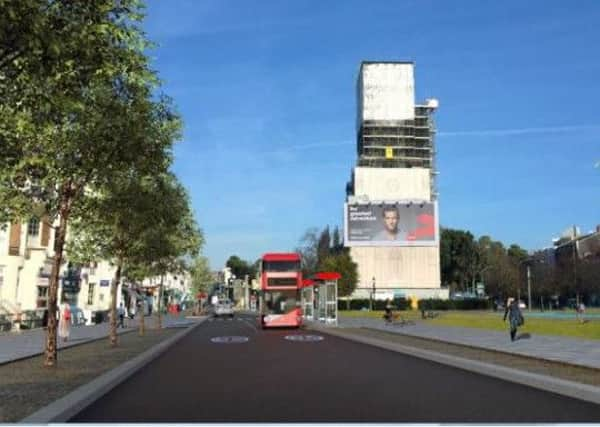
<point>402,223</point>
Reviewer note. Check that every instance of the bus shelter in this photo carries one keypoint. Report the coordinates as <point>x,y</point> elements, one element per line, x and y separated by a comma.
<point>319,298</point>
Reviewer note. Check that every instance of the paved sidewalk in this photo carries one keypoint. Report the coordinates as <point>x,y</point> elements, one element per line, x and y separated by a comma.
<point>555,348</point>
<point>14,346</point>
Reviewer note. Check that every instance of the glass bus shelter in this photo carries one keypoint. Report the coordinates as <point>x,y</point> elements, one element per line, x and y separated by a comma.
<point>320,298</point>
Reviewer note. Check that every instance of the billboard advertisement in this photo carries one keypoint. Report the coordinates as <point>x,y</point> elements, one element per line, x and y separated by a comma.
<point>402,223</point>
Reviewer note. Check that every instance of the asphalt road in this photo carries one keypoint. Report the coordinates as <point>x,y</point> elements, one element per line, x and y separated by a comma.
<point>271,379</point>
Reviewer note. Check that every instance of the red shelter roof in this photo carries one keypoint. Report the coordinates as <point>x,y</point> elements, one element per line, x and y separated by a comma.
<point>327,275</point>
<point>321,277</point>
<point>307,282</point>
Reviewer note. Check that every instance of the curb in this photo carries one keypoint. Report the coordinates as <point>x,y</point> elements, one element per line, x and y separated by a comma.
<point>491,350</point>
<point>571,389</point>
<point>68,406</point>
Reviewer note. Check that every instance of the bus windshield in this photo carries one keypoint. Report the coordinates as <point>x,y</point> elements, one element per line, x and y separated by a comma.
<point>281,265</point>
<point>281,302</point>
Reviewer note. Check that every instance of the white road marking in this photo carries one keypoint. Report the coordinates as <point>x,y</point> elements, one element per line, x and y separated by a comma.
<point>304,338</point>
<point>229,340</point>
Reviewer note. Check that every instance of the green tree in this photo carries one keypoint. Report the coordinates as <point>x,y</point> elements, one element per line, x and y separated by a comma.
<point>240,268</point>
<point>517,253</point>
<point>201,274</point>
<point>75,106</point>
<point>459,258</point>
<point>174,236</point>
<point>336,241</point>
<point>115,227</point>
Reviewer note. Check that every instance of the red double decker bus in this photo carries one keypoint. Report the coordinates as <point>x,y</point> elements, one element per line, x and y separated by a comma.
<point>280,281</point>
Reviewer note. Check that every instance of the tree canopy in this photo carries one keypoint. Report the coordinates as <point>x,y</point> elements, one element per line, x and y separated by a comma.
<point>79,105</point>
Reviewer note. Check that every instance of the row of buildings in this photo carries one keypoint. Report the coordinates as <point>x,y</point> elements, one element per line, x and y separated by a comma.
<point>572,246</point>
<point>26,257</point>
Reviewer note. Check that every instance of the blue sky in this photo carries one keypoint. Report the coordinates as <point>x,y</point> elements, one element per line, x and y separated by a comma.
<point>267,93</point>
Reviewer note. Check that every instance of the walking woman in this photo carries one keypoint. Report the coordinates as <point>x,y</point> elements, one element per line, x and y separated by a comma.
<point>64,324</point>
<point>515,317</point>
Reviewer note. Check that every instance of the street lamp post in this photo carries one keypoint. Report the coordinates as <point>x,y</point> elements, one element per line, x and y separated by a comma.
<point>529,286</point>
<point>527,263</point>
<point>246,292</point>
<point>373,290</point>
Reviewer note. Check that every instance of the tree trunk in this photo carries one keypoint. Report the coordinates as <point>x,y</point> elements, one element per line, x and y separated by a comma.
<point>59,243</point>
<point>113,304</point>
<point>160,296</point>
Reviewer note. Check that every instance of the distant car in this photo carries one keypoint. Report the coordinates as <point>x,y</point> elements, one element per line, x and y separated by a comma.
<point>224,308</point>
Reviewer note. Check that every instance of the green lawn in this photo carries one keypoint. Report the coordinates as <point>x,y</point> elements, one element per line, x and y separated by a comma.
<point>493,321</point>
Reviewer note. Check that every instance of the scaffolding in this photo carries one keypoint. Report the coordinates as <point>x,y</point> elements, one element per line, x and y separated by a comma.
<point>400,143</point>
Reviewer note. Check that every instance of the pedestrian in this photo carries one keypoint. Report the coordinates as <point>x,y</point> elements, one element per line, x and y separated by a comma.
<point>121,314</point>
<point>515,317</point>
<point>388,315</point>
<point>581,312</point>
<point>18,318</point>
<point>64,324</point>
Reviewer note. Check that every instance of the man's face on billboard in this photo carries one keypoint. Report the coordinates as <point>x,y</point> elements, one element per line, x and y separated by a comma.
<point>390,220</point>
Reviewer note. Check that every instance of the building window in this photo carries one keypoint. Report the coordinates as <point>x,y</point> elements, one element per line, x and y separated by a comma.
<point>42,292</point>
<point>42,297</point>
<point>33,228</point>
<point>90,299</point>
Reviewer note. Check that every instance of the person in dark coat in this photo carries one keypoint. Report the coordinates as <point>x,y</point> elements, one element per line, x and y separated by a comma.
<point>388,314</point>
<point>515,317</point>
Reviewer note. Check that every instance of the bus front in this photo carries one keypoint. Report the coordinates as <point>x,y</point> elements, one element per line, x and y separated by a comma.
<point>281,281</point>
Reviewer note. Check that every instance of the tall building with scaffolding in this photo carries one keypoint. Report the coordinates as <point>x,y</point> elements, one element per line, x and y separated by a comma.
<point>391,216</point>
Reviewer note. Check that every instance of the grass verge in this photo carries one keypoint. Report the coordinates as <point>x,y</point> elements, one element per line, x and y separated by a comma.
<point>493,321</point>
<point>27,386</point>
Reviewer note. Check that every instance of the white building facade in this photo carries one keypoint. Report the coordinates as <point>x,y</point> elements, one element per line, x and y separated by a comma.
<point>26,257</point>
